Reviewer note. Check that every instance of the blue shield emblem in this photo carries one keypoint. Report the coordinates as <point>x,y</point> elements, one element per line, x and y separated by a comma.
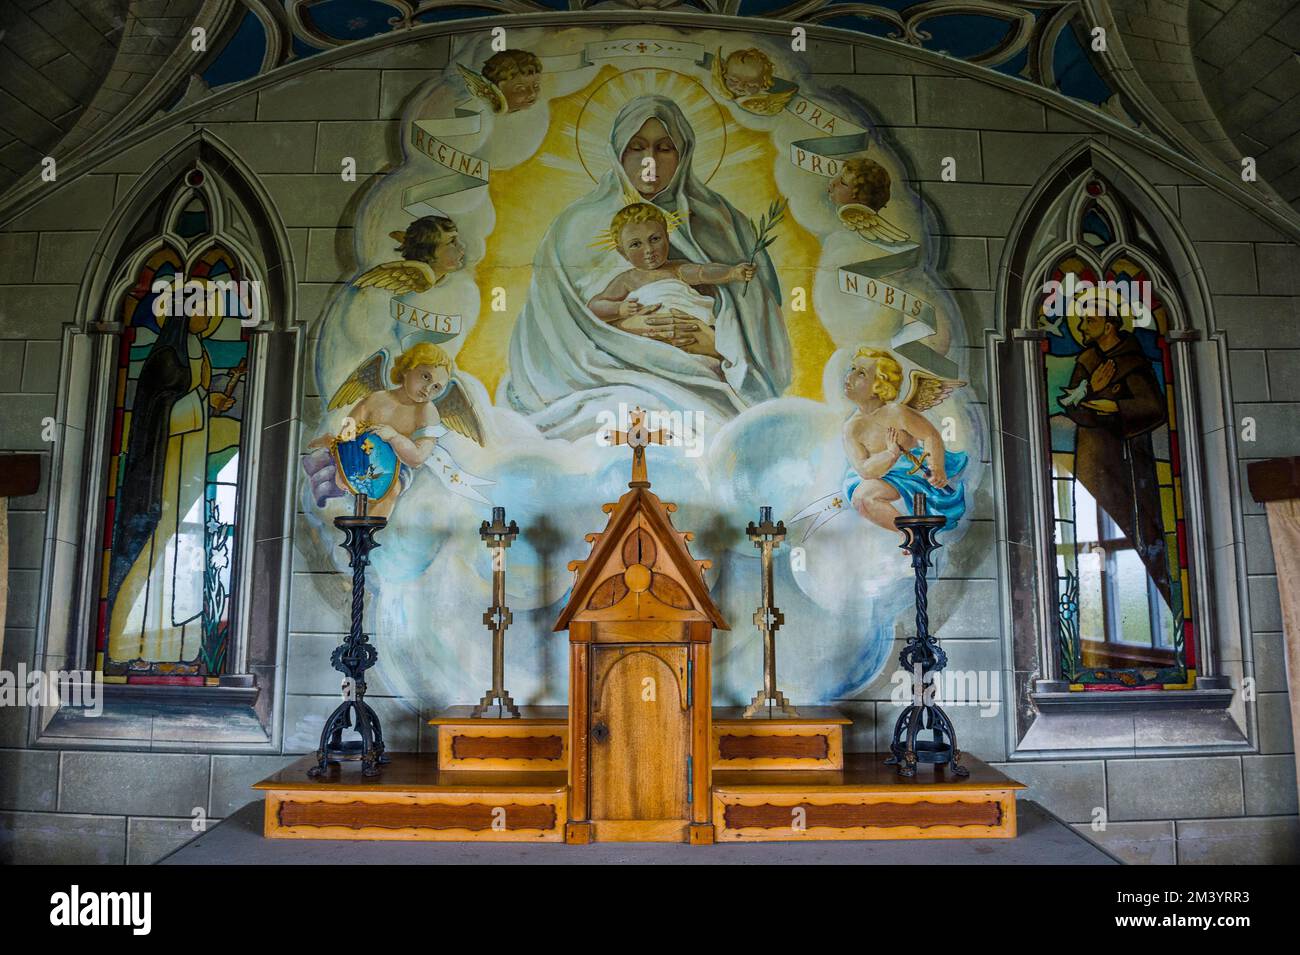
<point>367,464</point>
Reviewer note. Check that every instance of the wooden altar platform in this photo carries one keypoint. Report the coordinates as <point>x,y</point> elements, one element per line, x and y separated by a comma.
<point>413,799</point>
<point>1042,840</point>
<point>505,780</point>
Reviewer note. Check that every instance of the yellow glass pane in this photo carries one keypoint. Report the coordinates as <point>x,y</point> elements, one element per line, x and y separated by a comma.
<point>223,433</point>
<point>1164,472</point>
<point>1187,596</point>
<point>1063,463</point>
<point>1178,499</point>
<point>1167,506</point>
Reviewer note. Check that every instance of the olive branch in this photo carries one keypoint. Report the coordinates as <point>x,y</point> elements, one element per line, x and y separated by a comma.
<point>764,229</point>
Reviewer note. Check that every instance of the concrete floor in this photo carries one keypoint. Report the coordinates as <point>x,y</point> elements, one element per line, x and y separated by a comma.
<point>1043,840</point>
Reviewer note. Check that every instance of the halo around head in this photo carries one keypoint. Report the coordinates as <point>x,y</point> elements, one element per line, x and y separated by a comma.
<point>704,114</point>
<point>608,239</point>
<point>1103,300</point>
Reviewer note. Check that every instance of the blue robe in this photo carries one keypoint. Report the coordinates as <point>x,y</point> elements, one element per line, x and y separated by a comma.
<point>950,502</point>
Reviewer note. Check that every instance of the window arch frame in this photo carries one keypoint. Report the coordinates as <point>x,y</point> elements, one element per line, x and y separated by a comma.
<point>1126,242</point>
<point>187,252</point>
<point>242,220</point>
<point>1023,509</point>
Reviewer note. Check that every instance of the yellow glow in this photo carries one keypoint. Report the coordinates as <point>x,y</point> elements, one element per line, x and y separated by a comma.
<point>527,198</point>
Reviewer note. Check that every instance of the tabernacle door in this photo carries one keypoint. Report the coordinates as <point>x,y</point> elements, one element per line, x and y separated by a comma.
<point>640,742</point>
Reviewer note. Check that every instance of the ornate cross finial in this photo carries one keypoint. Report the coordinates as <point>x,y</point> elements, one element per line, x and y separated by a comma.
<point>498,535</point>
<point>769,701</point>
<point>638,437</point>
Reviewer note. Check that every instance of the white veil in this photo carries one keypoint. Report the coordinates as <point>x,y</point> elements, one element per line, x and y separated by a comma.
<point>566,365</point>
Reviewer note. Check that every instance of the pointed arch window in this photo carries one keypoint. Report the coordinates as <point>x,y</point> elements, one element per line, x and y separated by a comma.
<point>172,503</point>
<point>171,481</point>
<point>1108,409</point>
<point>1107,401</point>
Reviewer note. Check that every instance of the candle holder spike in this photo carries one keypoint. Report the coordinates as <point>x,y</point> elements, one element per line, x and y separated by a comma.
<point>353,657</point>
<point>924,659</point>
<point>498,535</point>
<point>768,701</point>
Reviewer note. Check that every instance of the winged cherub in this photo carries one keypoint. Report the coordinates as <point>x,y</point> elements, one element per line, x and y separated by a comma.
<point>428,400</point>
<point>511,80</point>
<point>859,192</point>
<point>893,451</point>
<point>431,250</point>
<point>749,78</point>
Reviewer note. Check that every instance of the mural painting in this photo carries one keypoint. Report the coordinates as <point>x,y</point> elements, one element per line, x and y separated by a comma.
<point>591,222</point>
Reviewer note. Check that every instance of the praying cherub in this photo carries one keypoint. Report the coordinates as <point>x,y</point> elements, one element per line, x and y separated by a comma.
<point>427,400</point>
<point>893,451</point>
<point>633,301</point>
<point>859,192</point>
<point>511,80</point>
<point>749,77</point>
<point>431,250</point>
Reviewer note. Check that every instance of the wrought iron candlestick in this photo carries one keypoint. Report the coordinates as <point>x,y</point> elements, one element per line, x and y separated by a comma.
<point>353,657</point>
<point>924,659</point>
<point>769,701</point>
<point>498,535</point>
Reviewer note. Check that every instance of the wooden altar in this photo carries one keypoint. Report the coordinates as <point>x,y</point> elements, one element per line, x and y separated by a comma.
<point>639,754</point>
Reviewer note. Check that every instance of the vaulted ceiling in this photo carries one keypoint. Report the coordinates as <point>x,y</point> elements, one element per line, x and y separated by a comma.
<point>54,55</point>
<point>1216,79</point>
<point>1247,55</point>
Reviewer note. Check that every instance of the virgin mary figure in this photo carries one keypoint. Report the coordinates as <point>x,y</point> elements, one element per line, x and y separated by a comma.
<point>567,364</point>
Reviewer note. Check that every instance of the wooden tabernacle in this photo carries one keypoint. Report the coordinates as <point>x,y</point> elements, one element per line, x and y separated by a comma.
<point>640,622</point>
<point>639,754</point>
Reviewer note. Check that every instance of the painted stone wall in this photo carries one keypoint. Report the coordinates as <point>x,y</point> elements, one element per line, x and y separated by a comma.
<point>86,805</point>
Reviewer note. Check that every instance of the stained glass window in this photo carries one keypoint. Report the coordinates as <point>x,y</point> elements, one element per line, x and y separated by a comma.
<point>170,519</point>
<point>1120,535</point>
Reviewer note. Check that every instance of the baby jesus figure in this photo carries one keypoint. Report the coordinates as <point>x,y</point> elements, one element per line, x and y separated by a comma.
<point>634,300</point>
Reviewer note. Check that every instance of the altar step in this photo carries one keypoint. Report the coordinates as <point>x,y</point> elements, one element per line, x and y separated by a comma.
<point>412,799</point>
<point>506,780</point>
<point>811,740</point>
<point>535,741</point>
<point>538,740</point>
<point>864,800</point>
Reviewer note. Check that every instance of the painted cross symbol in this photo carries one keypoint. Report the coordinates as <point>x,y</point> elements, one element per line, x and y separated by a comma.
<point>918,464</point>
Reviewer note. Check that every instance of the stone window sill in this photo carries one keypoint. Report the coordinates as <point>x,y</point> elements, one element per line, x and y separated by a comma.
<point>1132,701</point>
<point>1132,723</point>
<point>219,718</point>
